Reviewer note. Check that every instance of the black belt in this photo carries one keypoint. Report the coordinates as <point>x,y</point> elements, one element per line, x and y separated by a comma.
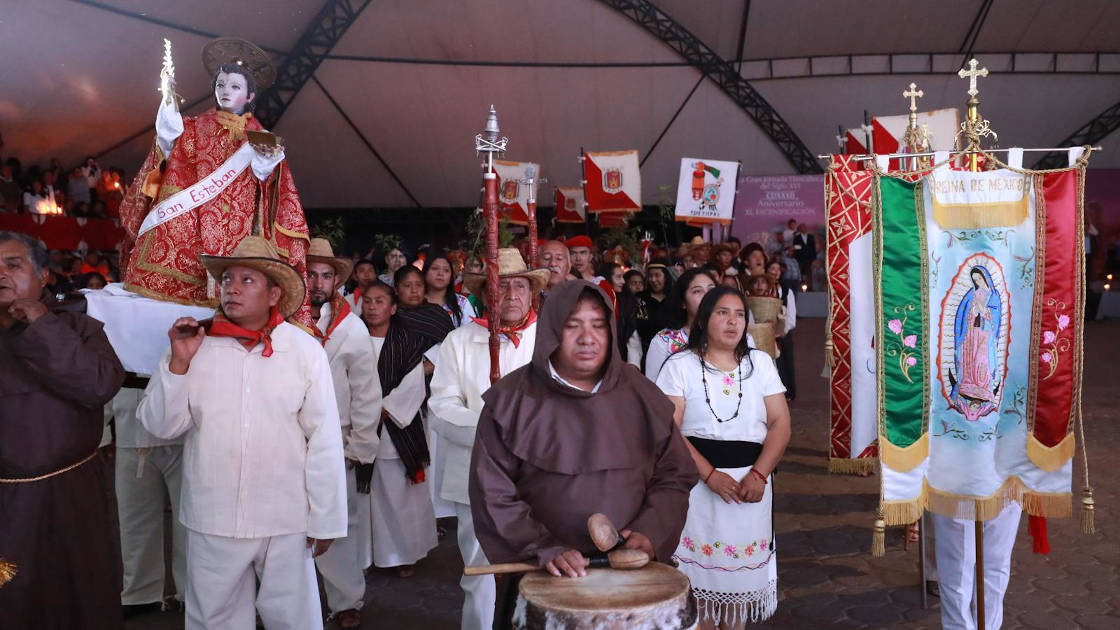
<point>727,453</point>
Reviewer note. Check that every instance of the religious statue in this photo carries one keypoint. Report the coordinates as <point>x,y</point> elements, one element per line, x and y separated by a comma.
<point>208,182</point>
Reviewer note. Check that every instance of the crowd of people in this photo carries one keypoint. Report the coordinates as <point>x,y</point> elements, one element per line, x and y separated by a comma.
<point>399,359</point>
<point>87,190</point>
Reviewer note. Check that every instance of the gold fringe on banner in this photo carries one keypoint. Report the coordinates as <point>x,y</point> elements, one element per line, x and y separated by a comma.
<point>849,466</point>
<point>899,458</point>
<point>1051,458</point>
<point>1045,504</point>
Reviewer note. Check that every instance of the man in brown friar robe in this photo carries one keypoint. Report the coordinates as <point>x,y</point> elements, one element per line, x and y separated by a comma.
<point>575,432</point>
<point>59,556</point>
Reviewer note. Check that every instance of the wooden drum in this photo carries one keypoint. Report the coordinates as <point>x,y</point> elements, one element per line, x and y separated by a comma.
<point>655,597</point>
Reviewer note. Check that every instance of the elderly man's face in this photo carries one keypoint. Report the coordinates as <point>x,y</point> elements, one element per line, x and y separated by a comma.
<point>247,297</point>
<point>555,256</point>
<point>18,278</point>
<point>581,260</point>
<point>584,342</point>
<point>320,282</point>
<point>516,298</point>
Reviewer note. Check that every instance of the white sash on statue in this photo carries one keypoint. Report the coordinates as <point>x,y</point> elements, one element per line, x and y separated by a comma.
<point>201,191</point>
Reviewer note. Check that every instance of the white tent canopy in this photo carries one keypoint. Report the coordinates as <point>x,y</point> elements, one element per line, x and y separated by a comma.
<point>79,77</point>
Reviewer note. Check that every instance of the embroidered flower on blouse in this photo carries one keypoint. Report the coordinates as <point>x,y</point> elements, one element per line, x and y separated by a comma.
<point>730,551</point>
<point>706,550</point>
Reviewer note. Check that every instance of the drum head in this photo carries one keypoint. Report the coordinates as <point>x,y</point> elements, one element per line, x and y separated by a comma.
<point>655,596</point>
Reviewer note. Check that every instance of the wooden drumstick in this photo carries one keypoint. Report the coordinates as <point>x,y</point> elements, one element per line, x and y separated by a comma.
<point>617,559</point>
<point>603,533</point>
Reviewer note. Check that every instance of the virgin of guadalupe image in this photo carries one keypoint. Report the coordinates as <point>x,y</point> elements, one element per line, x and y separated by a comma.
<point>976,331</point>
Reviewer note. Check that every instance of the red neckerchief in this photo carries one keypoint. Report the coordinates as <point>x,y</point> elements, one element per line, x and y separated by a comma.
<point>511,332</point>
<point>339,310</point>
<point>222,327</point>
<point>357,293</point>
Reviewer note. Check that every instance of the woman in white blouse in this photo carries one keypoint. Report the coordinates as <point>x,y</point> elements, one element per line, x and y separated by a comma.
<point>439,285</point>
<point>731,407</point>
<point>688,291</point>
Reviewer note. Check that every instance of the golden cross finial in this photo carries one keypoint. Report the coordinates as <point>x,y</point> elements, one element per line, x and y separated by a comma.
<point>971,75</point>
<point>913,94</point>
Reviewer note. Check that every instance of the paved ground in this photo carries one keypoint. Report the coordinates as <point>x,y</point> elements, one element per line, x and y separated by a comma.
<point>827,577</point>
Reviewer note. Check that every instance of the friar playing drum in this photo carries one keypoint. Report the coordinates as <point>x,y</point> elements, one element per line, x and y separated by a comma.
<point>578,431</point>
<point>208,182</point>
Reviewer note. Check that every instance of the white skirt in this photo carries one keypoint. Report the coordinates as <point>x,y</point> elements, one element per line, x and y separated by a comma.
<point>727,552</point>
<point>401,515</point>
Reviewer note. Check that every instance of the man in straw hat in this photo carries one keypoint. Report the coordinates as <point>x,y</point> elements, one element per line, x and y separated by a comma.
<point>264,486</point>
<point>209,181</point>
<point>460,380</point>
<point>358,392</point>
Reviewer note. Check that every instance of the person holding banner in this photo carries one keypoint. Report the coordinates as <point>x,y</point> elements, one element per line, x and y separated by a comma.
<point>208,182</point>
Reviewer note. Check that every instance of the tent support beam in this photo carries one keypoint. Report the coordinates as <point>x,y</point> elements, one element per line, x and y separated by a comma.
<point>1090,133</point>
<point>313,46</point>
<point>719,70</point>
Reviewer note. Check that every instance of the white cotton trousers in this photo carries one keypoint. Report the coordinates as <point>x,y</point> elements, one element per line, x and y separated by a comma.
<point>343,579</point>
<point>955,542</point>
<point>146,480</point>
<point>479,591</point>
<point>222,576</point>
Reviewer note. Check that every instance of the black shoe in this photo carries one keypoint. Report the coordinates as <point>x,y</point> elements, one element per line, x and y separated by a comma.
<point>933,588</point>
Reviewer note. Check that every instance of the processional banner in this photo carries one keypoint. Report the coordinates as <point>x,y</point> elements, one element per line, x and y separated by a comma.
<point>979,300</point>
<point>612,181</point>
<point>513,196</point>
<point>850,349</point>
<point>706,191</point>
<point>569,205</point>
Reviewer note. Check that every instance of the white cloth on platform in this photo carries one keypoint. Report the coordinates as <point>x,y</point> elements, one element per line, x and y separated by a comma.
<point>479,591</point>
<point>727,550</point>
<point>223,574</point>
<point>955,545</point>
<point>148,477</point>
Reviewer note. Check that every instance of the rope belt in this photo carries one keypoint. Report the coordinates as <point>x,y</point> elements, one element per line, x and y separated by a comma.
<point>52,474</point>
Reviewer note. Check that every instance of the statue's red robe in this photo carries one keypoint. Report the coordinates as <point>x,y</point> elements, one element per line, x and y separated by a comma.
<point>163,263</point>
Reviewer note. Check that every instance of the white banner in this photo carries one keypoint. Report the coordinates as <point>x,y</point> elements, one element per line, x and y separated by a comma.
<point>706,191</point>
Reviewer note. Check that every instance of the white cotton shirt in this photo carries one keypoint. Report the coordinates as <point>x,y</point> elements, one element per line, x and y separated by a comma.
<point>462,376</point>
<point>357,386</point>
<point>262,454</point>
<point>681,377</point>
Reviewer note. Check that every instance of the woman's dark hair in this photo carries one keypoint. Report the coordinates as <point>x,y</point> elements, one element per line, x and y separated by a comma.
<point>450,299</point>
<point>381,286</point>
<point>678,315</point>
<point>664,272</point>
<point>750,248</point>
<point>399,275</point>
<point>90,276</point>
<point>626,279</point>
<point>698,336</point>
<point>250,82</point>
<point>606,270</point>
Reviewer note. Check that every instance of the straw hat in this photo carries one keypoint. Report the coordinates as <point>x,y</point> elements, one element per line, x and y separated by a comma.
<point>321,252</point>
<point>256,253</point>
<point>510,265</point>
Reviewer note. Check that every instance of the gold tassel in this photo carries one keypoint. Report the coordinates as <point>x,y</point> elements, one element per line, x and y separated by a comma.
<point>879,538</point>
<point>1088,526</point>
<point>829,351</point>
<point>8,571</point>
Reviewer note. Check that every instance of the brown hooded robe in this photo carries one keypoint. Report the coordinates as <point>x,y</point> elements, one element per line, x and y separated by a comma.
<point>547,456</point>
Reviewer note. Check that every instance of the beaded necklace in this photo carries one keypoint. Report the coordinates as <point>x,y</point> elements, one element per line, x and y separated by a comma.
<point>708,396</point>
